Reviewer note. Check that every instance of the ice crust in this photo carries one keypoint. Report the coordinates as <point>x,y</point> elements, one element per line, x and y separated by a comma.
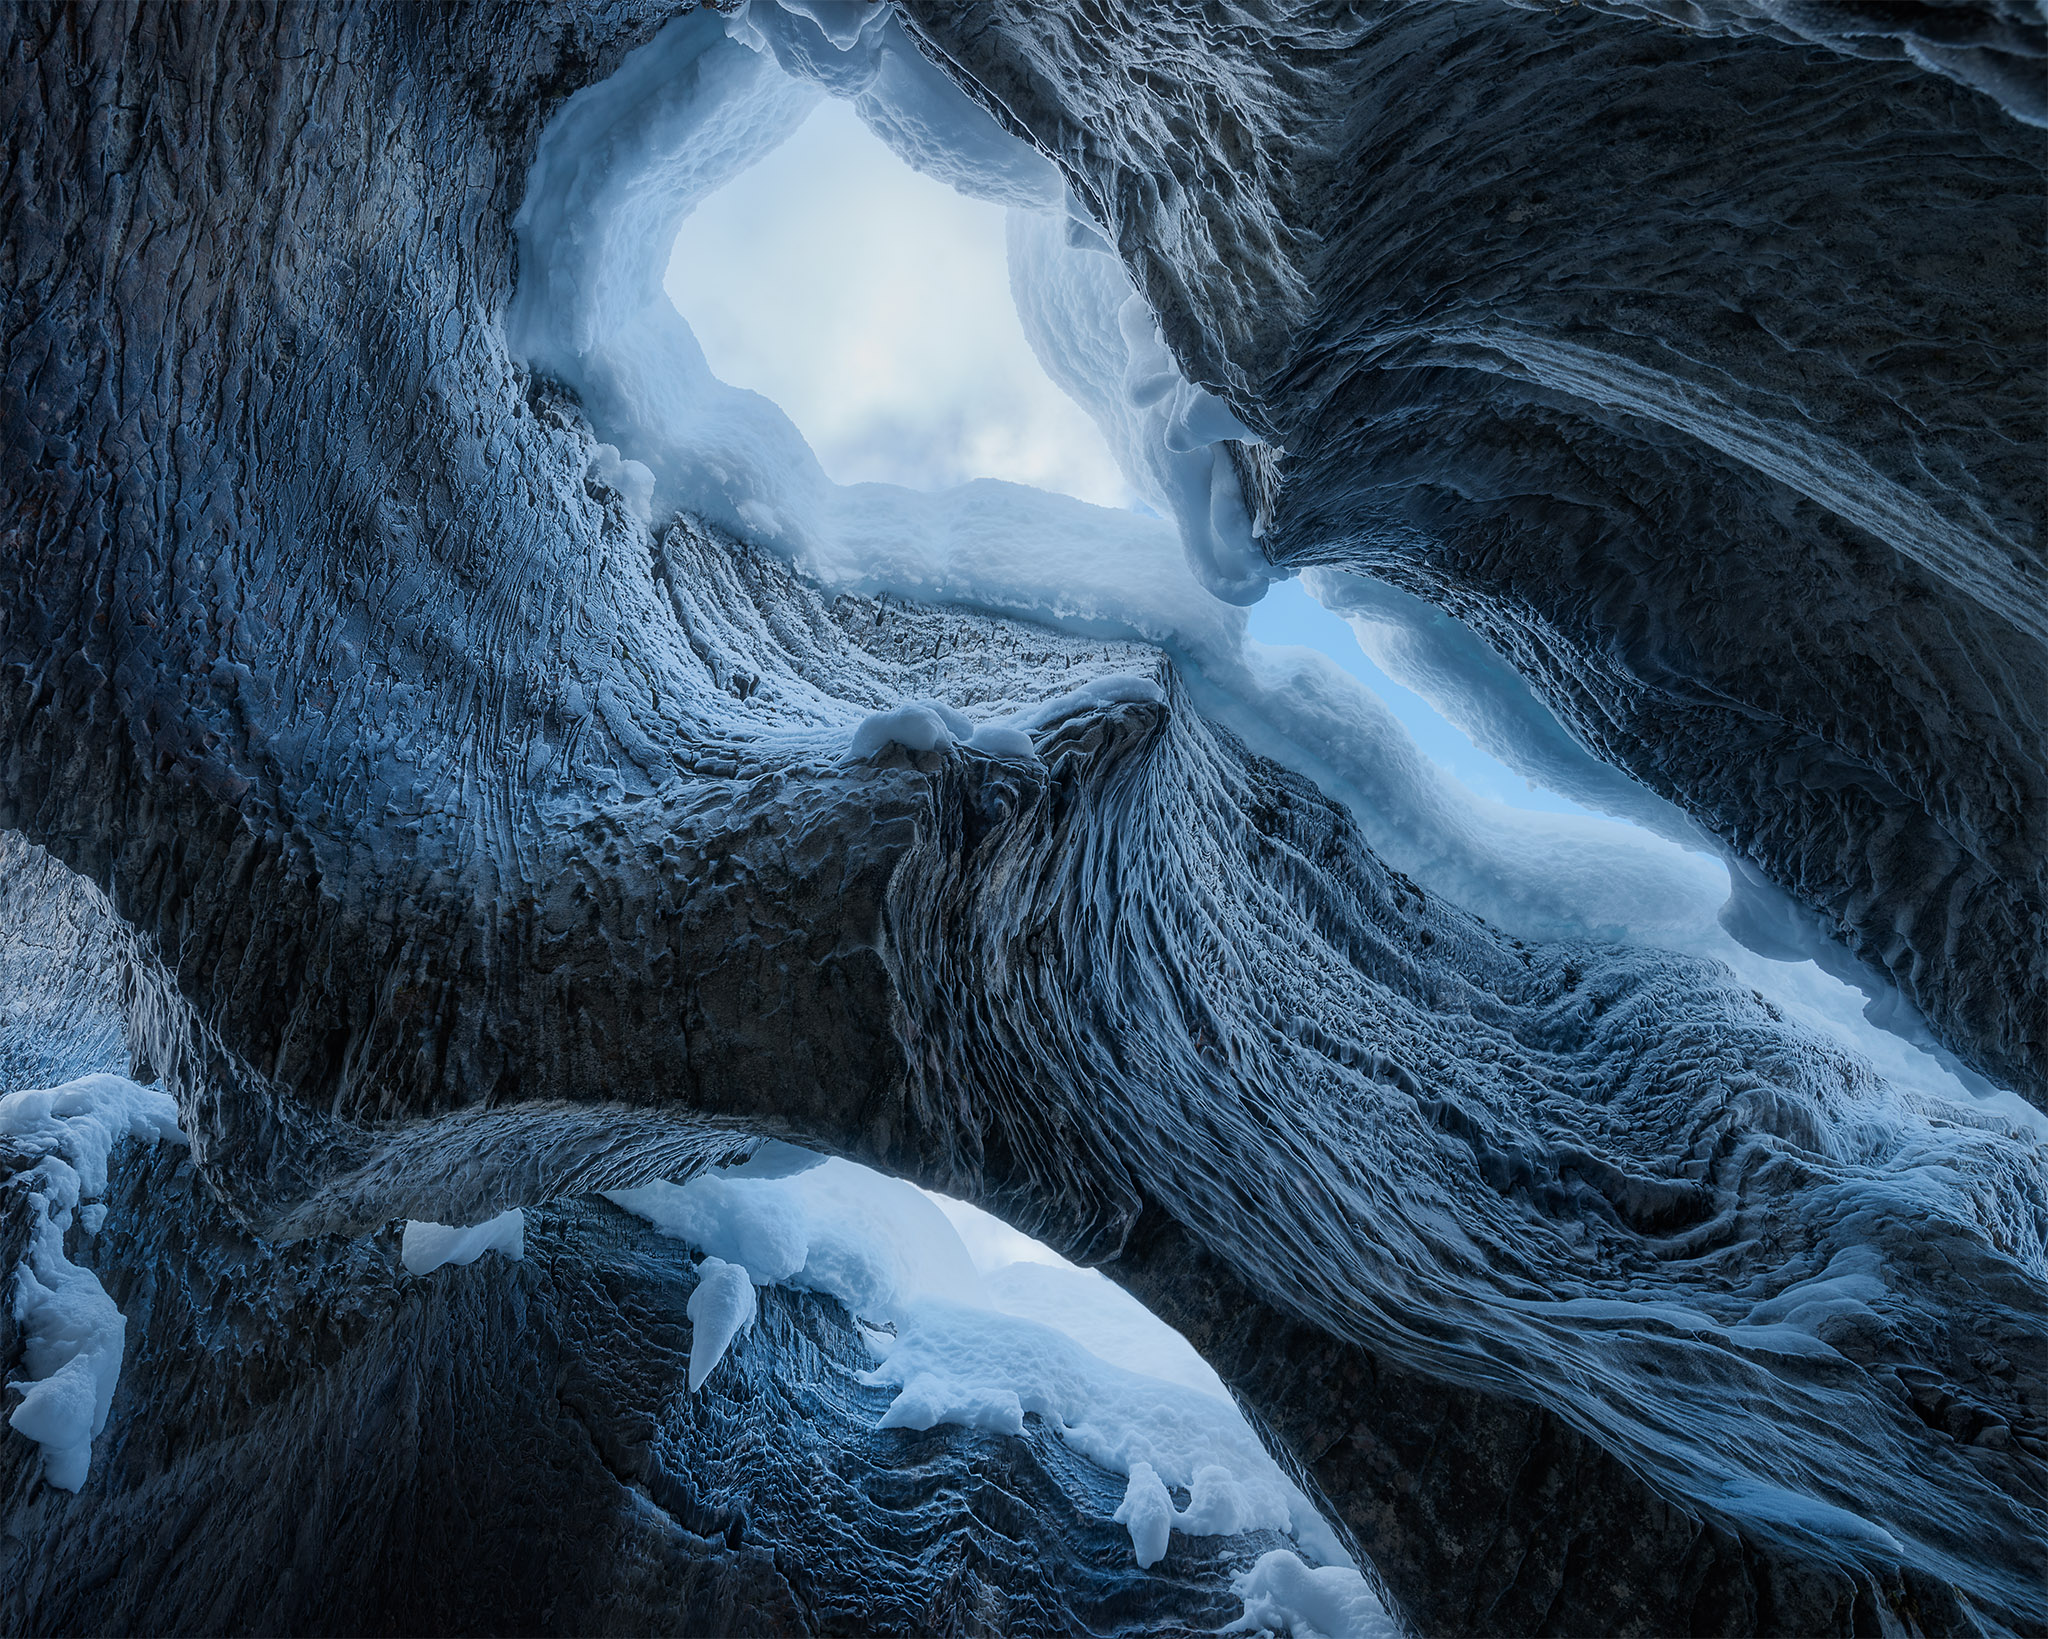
<point>427,1246</point>
<point>984,1343</point>
<point>72,1333</point>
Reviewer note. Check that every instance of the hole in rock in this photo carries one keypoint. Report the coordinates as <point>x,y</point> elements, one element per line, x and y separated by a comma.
<point>972,1323</point>
<point>1289,615</point>
<point>919,331</point>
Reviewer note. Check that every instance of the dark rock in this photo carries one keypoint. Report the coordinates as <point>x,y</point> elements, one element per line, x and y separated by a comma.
<point>1698,370</point>
<point>310,1440</point>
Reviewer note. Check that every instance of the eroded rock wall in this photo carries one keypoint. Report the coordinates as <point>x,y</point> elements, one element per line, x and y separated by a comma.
<point>1697,367</point>
<point>308,1439</point>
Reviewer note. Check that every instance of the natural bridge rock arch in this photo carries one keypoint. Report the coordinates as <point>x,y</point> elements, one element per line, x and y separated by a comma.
<point>466,840</point>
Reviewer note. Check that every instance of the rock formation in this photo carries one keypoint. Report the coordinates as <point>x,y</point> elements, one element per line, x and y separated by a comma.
<point>448,837</point>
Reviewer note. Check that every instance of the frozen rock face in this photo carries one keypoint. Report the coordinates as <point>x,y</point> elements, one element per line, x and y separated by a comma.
<point>511,1447</point>
<point>464,843</point>
<point>1696,368</point>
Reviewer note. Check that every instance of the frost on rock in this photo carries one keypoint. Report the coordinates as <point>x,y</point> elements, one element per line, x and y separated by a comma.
<point>72,1334</point>
<point>427,1246</point>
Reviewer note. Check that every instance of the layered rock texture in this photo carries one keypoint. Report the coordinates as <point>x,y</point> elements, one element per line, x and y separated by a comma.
<point>1698,370</point>
<point>448,839</point>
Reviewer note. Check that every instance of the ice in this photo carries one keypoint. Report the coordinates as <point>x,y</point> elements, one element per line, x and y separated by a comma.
<point>619,172</point>
<point>427,1246</point>
<point>1282,1595</point>
<point>1755,928</point>
<point>722,1306</point>
<point>1851,1283</point>
<point>72,1333</point>
<point>983,1341</point>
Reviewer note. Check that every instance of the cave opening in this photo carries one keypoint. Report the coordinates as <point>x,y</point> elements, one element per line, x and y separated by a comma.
<point>1000,426</point>
<point>918,489</point>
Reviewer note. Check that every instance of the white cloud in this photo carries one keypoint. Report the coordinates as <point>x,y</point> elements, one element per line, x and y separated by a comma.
<point>873,305</point>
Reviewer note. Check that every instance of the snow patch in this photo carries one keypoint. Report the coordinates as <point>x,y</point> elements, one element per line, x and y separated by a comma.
<point>922,725</point>
<point>1282,1595</point>
<point>985,1342</point>
<point>427,1246</point>
<point>72,1333</point>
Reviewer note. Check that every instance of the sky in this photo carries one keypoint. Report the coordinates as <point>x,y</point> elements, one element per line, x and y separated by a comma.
<point>873,305</point>
<point>1288,615</point>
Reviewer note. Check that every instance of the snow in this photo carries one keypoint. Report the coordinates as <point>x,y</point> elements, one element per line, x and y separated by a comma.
<point>989,1327</point>
<point>722,1306</point>
<point>923,725</point>
<point>1001,740</point>
<point>72,1333</point>
<point>77,1125</point>
<point>1476,691</point>
<point>1282,1595</point>
<point>428,1246</point>
<point>874,1243</point>
<point>1101,1316</point>
<point>965,1364</point>
<point>1147,1511</point>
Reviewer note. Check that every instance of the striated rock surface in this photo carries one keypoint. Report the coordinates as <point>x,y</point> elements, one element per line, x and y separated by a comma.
<point>1696,368</point>
<point>465,844</point>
